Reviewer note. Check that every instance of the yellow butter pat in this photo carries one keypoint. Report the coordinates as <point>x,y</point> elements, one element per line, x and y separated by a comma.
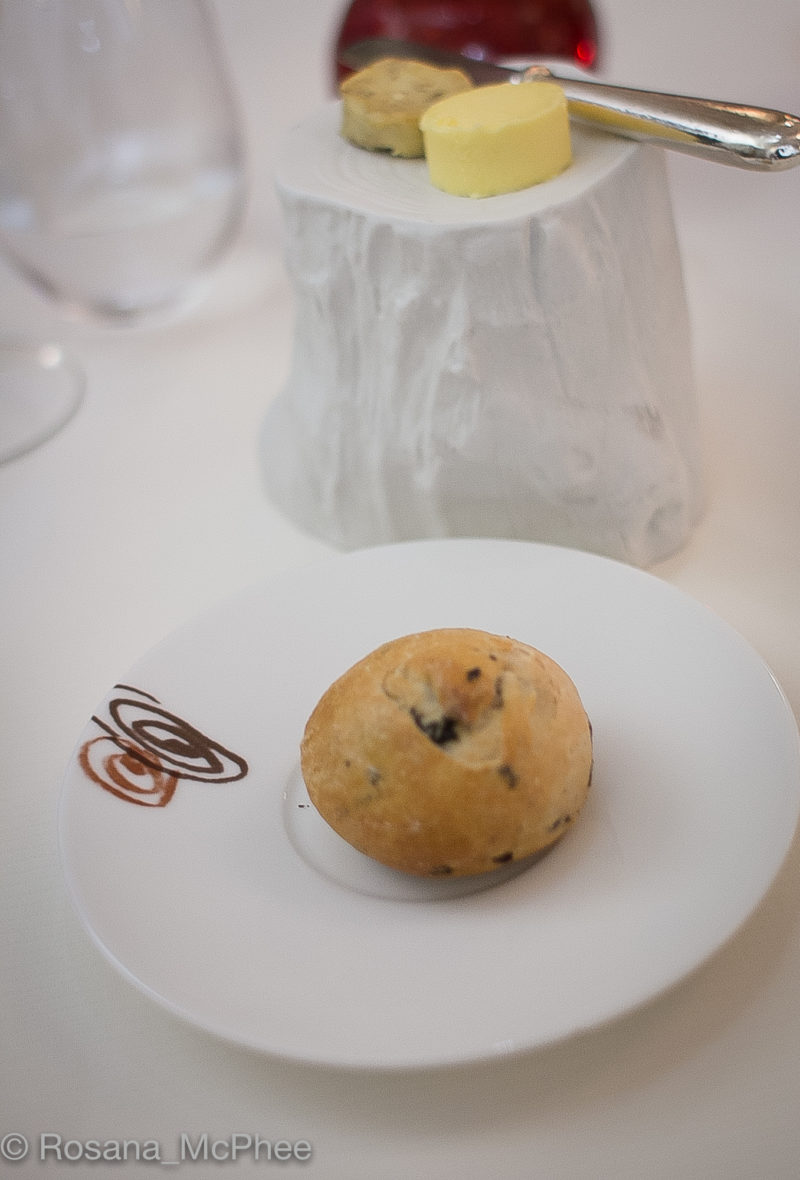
<point>497,139</point>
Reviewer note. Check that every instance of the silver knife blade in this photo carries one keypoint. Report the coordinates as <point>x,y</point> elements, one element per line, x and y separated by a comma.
<point>364,53</point>
<point>729,133</point>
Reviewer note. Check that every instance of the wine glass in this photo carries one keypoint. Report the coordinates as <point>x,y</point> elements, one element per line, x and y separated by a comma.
<point>122,175</point>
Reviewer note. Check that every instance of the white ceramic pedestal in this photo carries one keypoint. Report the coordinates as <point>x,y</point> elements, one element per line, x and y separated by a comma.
<point>518,366</point>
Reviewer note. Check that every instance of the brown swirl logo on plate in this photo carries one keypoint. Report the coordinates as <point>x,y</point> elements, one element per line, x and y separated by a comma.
<point>144,751</point>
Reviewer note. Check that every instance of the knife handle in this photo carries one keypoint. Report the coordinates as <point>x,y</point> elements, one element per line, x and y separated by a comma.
<point>748,137</point>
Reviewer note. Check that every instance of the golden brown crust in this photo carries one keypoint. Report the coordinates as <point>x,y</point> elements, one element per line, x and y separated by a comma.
<point>449,752</point>
<point>383,103</point>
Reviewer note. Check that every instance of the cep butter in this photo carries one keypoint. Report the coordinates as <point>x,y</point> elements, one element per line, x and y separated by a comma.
<point>497,139</point>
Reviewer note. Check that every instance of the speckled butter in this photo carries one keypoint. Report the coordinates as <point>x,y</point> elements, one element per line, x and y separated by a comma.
<point>383,103</point>
<point>497,139</point>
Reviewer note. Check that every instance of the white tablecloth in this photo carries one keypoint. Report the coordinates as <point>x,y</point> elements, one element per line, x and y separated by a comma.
<point>147,508</point>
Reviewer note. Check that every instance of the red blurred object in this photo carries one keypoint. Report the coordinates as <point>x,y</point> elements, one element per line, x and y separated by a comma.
<point>492,29</point>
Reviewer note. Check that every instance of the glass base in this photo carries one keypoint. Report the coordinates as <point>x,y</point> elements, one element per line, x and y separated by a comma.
<point>41,387</point>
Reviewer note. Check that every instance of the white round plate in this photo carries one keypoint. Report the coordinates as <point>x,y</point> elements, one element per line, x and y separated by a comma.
<point>204,875</point>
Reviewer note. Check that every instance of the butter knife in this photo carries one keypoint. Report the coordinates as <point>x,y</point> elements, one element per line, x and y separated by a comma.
<point>730,133</point>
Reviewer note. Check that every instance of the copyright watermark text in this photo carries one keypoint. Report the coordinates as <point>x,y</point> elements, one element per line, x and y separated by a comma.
<point>189,1149</point>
